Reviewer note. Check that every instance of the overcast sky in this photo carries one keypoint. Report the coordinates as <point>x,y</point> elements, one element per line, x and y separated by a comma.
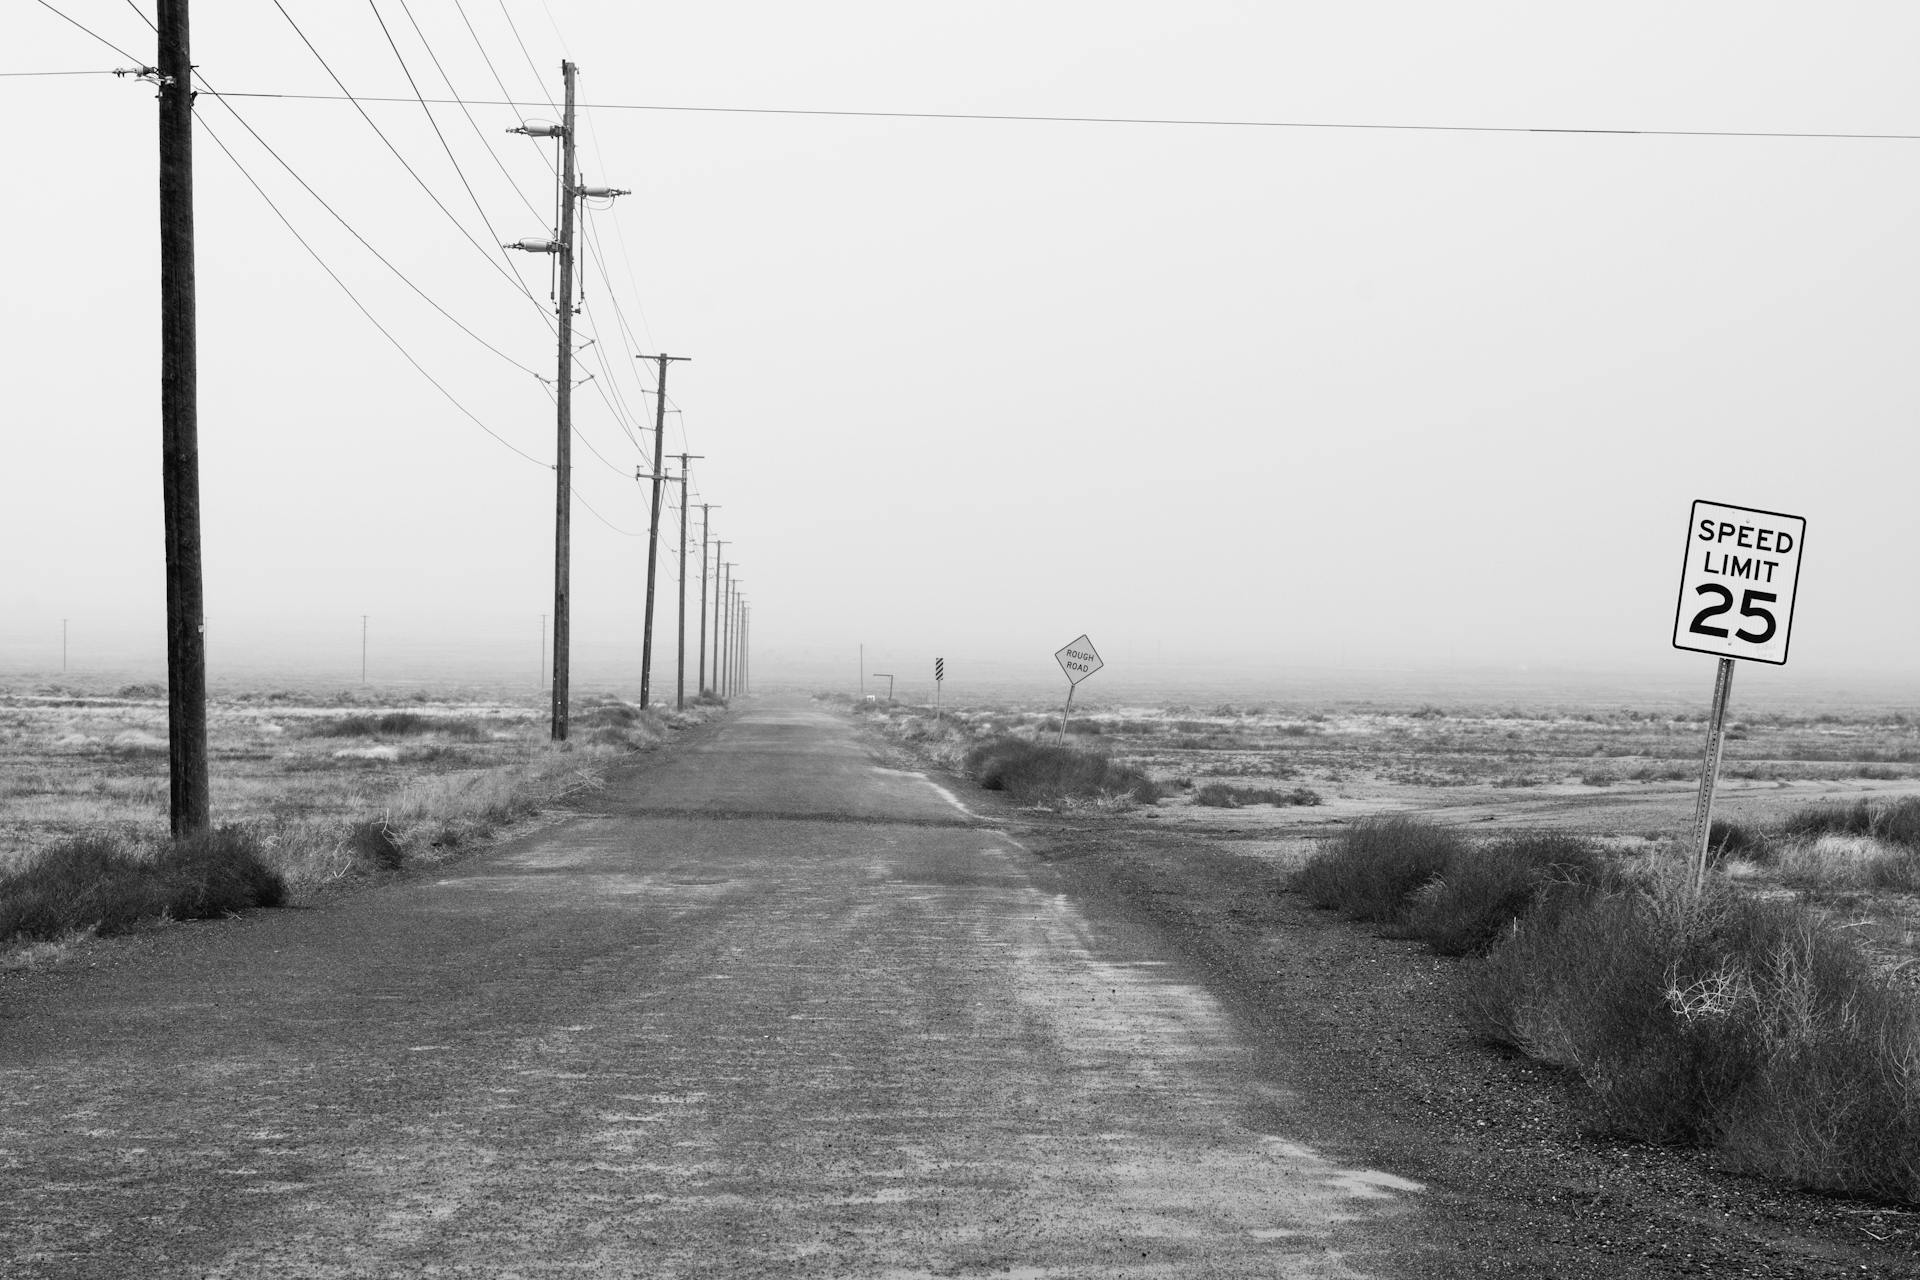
<point>1215,395</point>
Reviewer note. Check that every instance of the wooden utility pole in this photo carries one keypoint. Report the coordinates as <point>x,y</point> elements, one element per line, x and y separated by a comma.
<point>680,662</point>
<point>706,512</point>
<point>722,620</point>
<point>653,523</point>
<point>719,568</point>
<point>562,248</point>
<point>180,432</point>
<point>733,640</point>
<point>563,449</point>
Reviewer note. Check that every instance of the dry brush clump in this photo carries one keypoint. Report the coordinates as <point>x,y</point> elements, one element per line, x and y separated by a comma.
<point>1048,773</point>
<point>1220,795</point>
<point>1858,845</point>
<point>105,885</point>
<point>1754,1025</point>
<point>1372,869</point>
<point>1759,1026</point>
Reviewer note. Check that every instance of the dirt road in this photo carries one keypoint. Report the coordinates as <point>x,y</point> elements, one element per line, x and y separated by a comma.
<point>767,1009</point>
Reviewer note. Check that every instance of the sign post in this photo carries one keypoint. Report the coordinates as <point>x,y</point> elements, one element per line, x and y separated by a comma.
<point>1079,660</point>
<point>1737,582</point>
<point>939,675</point>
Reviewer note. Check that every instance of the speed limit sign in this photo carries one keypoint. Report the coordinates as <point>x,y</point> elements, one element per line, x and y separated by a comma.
<point>1737,582</point>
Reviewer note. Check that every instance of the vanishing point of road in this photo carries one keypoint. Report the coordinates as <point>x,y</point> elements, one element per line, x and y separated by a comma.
<point>765,1008</point>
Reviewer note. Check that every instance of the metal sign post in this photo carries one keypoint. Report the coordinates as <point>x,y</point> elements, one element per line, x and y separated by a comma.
<point>1757,555</point>
<point>939,675</point>
<point>1079,660</point>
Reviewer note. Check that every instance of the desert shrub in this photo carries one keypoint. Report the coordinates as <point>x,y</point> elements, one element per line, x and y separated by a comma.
<point>147,690</point>
<point>394,724</point>
<point>1894,821</point>
<point>1372,868</point>
<point>610,722</point>
<point>99,883</point>
<point>1843,819</point>
<point>1837,862</point>
<point>1729,839</point>
<point>1039,772</point>
<point>372,842</point>
<point>1754,1024</point>
<point>1485,889</point>
<point>1899,821</point>
<point>1219,795</point>
<point>1835,1105</point>
<point>218,872</point>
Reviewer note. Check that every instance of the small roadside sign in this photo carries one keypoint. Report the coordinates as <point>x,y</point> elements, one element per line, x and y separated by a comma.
<point>1737,582</point>
<point>1737,585</point>
<point>1078,660</point>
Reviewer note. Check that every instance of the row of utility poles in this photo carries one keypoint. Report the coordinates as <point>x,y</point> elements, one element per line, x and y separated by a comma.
<point>189,799</point>
<point>729,610</point>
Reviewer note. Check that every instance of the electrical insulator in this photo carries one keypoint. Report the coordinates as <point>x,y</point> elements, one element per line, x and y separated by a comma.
<point>534,244</point>
<point>536,129</point>
<point>603,192</point>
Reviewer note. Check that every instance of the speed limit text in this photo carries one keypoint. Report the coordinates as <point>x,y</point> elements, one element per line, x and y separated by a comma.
<point>1718,560</point>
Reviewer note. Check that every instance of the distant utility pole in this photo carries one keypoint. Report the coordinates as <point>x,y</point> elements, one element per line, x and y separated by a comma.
<point>363,648</point>
<point>746,651</point>
<point>733,642</point>
<point>680,661</point>
<point>733,646</point>
<point>653,524</point>
<point>562,247</point>
<point>722,618</point>
<point>180,432</point>
<point>706,511</point>
<point>719,568</point>
<point>733,639</point>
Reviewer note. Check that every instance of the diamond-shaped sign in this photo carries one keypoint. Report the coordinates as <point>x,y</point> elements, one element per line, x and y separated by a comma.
<point>1078,660</point>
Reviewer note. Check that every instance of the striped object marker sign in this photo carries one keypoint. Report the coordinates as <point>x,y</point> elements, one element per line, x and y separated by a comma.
<point>939,670</point>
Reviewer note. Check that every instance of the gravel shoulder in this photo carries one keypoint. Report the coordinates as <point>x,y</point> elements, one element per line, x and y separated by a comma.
<point>1370,1030</point>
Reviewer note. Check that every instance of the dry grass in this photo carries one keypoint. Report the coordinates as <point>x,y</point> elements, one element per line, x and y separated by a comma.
<point>326,787</point>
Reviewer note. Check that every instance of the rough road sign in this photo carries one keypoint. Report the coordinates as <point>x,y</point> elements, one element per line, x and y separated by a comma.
<point>1078,660</point>
<point>1737,582</point>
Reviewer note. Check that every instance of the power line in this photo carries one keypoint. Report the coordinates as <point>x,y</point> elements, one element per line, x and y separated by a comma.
<point>13,75</point>
<point>434,124</point>
<point>356,301</point>
<point>141,14</point>
<point>491,151</point>
<point>338,217</point>
<point>1174,121</point>
<point>523,53</point>
<point>485,253</point>
<point>95,34</point>
<point>625,533</point>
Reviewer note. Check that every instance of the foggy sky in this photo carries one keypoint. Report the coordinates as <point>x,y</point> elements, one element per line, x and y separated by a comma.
<point>1218,396</point>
